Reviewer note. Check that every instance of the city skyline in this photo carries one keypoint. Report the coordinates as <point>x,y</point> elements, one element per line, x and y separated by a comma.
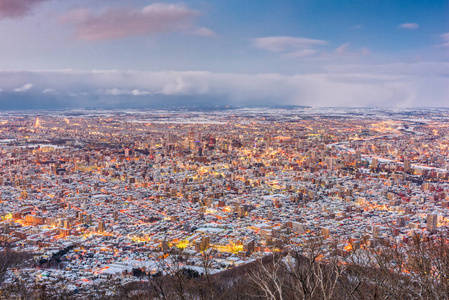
<point>111,54</point>
<point>100,201</point>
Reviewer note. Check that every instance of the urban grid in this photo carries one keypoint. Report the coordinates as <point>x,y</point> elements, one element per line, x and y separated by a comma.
<point>110,194</point>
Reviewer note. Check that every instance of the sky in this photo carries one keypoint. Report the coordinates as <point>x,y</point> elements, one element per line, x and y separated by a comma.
<point>134,53</point>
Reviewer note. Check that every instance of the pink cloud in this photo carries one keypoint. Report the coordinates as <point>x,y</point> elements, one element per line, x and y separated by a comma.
<point>17,8</point>
<point>122,22</point>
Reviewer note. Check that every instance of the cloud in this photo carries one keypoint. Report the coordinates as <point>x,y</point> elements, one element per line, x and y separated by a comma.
<point>359,85</point>
<point>357,27</point>
<point>49,91</point>
<point>286,43</point>
<point>409,26</point>
<point>419,70</point>
<point>344,50</point>
<point>203,31</point>
<point>23,88</point>
<point>116,23</point>
<point>118,92</point>
<point>445,38</point>
<point>289,47</point>
<point>300,53</point>
<point>17,8</point>
<point>140,93</point>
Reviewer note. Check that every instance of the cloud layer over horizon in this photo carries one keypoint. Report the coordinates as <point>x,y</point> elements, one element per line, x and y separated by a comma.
<point>387,85</point>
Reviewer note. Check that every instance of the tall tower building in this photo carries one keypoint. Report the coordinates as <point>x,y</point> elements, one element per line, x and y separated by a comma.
<point>101,226</point>
<point>358,155</point>
<point>432,222</point>
<point>375,163</point>
<point>407,165</point>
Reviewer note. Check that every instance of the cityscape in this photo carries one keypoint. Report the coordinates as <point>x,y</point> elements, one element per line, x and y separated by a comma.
<point>109,192</point>
<point>224,150</point>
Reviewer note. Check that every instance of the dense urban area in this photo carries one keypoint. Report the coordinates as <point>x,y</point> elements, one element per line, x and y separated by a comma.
<point>96,197</point>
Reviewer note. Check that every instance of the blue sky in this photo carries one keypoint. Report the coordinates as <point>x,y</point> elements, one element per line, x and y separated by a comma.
<point>303,52</point>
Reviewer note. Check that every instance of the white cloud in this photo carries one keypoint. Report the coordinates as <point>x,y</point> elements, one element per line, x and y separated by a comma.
<point>286,43</point>
<point>445,38</point>
<point>345,50</point>
<point>139,93</point>
<point>23,88</point>
<point>118,92</point>
<point>49,91</point>
<point>409,26</point>
<point>419,70</point>
<point>289,47</point>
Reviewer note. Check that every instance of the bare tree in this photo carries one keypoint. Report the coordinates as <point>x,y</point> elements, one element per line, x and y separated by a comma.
<point>303,273</point>
<point>270,277</point>
<point>11,259</point>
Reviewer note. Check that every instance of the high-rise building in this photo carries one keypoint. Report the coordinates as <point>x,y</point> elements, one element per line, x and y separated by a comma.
<point>358,155</point>
<point>88,219</point>
<point>325,232</point>
<point>101,226</point>
<point>376,231</point>
<point>375,163</point>
<point>67,224</point>
<point>249,246</point>
<point>298,227</point>
<point>407,165</point>
<point>168,137</point>
<point>202,245</point>
<point>432,220</point>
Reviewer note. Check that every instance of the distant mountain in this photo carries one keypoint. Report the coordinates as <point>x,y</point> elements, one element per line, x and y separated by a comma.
<point>14,101</point>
